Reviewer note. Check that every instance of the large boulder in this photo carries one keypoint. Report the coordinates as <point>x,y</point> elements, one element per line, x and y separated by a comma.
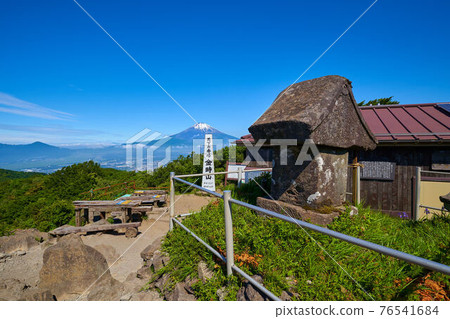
<point>22,240</point>
<point>322,110</point>
<point>70,268</point>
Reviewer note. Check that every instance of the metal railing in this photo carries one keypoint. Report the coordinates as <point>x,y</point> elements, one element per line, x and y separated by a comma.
<point>432,265</point>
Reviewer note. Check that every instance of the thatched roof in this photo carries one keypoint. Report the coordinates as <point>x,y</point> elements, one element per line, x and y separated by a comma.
<point>323,109</point>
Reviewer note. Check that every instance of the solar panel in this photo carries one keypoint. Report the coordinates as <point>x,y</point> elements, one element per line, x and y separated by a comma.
<point>445,106</point>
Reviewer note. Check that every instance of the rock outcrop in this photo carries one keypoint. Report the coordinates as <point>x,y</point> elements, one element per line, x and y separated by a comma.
<point>319,116</point>
<point>22,240</point>
<point>322,109</point>
<point>71,268</point>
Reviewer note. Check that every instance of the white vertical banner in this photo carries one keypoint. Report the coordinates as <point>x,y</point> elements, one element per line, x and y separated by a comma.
<point>208,181</point>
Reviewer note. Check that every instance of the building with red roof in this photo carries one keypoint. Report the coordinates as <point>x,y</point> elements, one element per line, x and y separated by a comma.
<point>408,136</point>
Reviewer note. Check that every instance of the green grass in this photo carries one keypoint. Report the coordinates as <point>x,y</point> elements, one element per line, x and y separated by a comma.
<point>289,259</point>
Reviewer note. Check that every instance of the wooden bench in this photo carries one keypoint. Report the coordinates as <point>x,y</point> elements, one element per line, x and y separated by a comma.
<point>131,228</point>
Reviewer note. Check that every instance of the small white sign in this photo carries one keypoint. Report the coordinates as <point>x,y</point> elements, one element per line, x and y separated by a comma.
<point>208,181</point>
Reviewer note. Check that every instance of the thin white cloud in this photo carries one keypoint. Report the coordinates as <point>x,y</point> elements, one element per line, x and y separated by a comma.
<point>11,104</point>
<point>49,130</point>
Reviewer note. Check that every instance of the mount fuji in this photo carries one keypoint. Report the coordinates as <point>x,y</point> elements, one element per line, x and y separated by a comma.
<point>198,131</point>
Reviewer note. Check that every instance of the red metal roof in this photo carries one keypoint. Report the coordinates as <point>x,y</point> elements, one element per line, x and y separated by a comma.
<point>247,137</point>
<point>403,122</point>
<point>408,122</point>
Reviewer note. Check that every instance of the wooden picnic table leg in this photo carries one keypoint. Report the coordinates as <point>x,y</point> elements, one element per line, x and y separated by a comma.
<point>78,217</point>
<point>91,216</point>
<point>129,214</point>
<point>85,215</point>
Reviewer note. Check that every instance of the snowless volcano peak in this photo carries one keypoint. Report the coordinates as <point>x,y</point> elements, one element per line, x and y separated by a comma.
<point>202,126</point>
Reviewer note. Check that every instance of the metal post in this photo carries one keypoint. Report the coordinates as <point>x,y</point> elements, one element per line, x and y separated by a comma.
<point>239,176</point>
<point>358,185</point>
<point>417,194</point>
<point>172,200</point>
<point>228,231</point>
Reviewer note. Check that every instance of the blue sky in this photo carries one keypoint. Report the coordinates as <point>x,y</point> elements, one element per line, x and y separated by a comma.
<point>63,80</point>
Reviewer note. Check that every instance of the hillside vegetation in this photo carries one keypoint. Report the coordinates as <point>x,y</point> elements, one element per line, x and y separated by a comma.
<point>45,201</point>
<point>289,258</point>
<point>6,174</point>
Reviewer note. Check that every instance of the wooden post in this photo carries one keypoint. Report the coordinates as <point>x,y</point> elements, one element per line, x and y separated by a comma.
<point>358,184</point>
<point>356,191</point>
<point>354,177</point>
<point>78,217</point>
<point>228,231</point>
<point>172,200</point>
<point>239,176</point>
<point>417,194</point>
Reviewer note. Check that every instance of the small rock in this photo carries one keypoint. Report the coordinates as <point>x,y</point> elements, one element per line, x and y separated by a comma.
<point>148,252</point>
<point>159,260</point>
<point>353,211</point>
<point>291,281</point>
<point>179,293</point>
<point>309,282</point>
<point>126,297</point>
<point>131,232</point>
<point>249,293</point>
<point>252,294</point>
<point>162,282</point>
<point>188,283</point>
<point>144,273</point>
<point>20,253</point>
<point>4,257</point>
<point>286,296</point>
<point>204,273</point>
<point>222,293</point>
<point>240,296</point>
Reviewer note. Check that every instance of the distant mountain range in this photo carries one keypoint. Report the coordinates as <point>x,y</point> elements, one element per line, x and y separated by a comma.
<point>41,157</point>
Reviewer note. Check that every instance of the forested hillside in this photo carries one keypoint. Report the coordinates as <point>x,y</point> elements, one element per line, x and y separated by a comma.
<point>6,174</point>
<point>45,201</point>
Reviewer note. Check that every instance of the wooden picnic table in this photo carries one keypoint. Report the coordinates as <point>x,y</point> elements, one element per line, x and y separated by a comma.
<point>122,207</point>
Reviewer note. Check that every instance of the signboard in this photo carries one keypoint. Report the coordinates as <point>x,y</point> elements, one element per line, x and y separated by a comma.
<point>208,181</point>
<point>378,170</point>
<point>235,168</point>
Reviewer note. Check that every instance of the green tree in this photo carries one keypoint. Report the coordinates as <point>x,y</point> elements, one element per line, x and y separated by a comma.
<point>380,101</point>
